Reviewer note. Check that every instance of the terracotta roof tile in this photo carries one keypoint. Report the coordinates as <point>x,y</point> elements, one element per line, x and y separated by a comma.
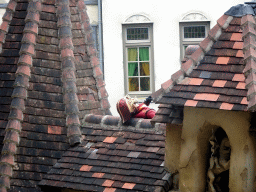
<point>226,106</point>
<point>239,77</point>
<point>219,83</point>
<point>128,185</point>
<point>191,103</point>
<point>222,60</point>
<point>40,76</point>
<point>224,77</point>
<point>206,97</point>
<point>195,81</point>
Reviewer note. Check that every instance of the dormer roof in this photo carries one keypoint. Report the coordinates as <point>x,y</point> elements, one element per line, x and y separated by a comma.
<point>220,74</point>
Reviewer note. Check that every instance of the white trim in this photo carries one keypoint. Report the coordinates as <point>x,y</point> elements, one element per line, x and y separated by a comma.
<point>137,18</point>
<point>194,16</point>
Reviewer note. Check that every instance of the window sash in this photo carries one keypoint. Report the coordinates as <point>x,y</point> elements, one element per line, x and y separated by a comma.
<point>138,65</point>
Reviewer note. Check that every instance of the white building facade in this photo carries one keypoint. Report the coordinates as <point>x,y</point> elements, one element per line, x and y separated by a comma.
<point>136,39</point>
<point>140,37</point>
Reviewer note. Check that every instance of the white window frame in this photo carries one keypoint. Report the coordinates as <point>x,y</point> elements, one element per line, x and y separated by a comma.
<point>192,19</point>
<point>191,41</point>
<point>138,43</point>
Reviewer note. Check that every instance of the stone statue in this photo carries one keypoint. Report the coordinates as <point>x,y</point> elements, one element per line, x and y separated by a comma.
<point>218,172</point>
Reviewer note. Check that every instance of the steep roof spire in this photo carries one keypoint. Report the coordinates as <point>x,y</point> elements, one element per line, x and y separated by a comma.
<point>49,80</point>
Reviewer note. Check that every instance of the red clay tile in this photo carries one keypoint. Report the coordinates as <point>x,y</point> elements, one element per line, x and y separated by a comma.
<point>197,55</point>
<point>206,96</point>
<point>54,129</point>
<point>8,159</point>
<point>249,53</point>
<point>224,21</point>
<point>25,59</point>
<point>222,60</point>
<point>167,84</point>
<point>133,154</point>
<point>12,5</point>
<point>191,103</point>
<point>23,69</point>
<point>109,139</point>
<point>33,16</point>
<point>238,45</point>
<point>72,119</point>
<point>244,101</point>
<point>14,124</point>
<point>195,81</point>
<point>226,106</point>
<point>29,38</point>
<point>206,44</point>
<point>240,85</point>
<point>238,77</point>
<point>67,53</point>
<point>240,53</point>
<point>177,76</point>
<point>153,149</point>
<point>188,66</point>
<point>128,185</point>
<point>31,27</point>
<point>215,32</point>
<point>85,168</point>
<point>219,83</point>
<point>249,40</point>
<point>108,183</point>
<point>98,175</point>
<point>66,42</point>
<point>247,18</point>
<point>4,26</point>
<point>236,37</point>
<point>48,8</point>
<point>185,81</point>
<point>109,190</point>
<point>250,65</point>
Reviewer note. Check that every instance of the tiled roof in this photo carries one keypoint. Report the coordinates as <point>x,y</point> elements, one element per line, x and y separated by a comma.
<point>219,74</point>
<point>49,80</point>
<point>113,157</point>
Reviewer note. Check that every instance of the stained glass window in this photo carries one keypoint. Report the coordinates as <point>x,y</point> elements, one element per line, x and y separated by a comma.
<point>137,33</point>
<point>194,32</point>
<point>138,69</point>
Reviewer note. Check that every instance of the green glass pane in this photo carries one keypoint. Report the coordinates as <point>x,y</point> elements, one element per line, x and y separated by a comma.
<point>132,69</point>
<point>144,53</point>
<point>144,84</point>
<point>133,84</point>
<point>132,54</point>
<point>144,69</point>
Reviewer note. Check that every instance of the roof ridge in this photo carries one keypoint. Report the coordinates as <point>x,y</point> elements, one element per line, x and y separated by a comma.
<point>198,55</point>
<point>19,95</point>
<point>68,73</point>
<point>109,121</point>
<point>249,36</point>
<point>7,17</point>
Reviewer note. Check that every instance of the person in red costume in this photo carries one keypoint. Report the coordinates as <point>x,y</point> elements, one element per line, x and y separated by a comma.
<point>128,108</point>
<point>143,111</point>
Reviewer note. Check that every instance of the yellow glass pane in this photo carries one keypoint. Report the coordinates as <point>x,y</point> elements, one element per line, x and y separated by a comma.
<point>133,84</point>
<point>144,69</point>
<point>132,54</point>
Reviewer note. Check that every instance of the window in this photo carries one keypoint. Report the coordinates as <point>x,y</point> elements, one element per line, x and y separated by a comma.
<point>194,27</point>
<point>138,62</point>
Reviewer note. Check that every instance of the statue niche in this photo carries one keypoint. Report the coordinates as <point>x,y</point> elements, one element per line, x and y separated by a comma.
<point>218,172</point>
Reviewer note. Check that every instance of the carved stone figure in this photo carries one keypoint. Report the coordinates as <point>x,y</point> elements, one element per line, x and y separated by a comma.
<point>218,172</point>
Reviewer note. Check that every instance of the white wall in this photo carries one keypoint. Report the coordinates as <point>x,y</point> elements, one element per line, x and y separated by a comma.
<point>165,15</point>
